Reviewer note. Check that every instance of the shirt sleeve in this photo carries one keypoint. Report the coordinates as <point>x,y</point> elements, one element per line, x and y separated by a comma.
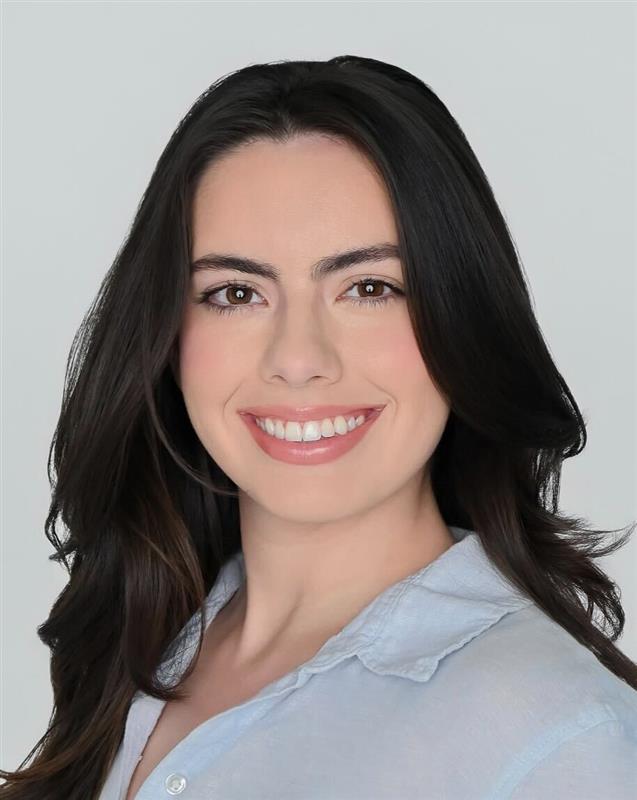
<point>599,762</point>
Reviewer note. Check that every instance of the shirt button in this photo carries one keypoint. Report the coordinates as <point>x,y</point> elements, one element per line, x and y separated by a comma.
<point>175,783</point>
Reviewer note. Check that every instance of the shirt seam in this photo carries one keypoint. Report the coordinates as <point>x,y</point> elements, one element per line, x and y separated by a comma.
<point>537,753</point>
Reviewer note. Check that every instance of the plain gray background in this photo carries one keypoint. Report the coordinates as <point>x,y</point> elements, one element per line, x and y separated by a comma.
<point>91,92</point>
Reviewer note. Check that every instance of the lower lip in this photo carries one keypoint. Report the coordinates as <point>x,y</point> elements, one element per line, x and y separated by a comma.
<point>309,453</point>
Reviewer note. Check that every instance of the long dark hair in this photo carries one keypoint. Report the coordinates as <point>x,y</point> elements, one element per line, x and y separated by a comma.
<point>150,518</point>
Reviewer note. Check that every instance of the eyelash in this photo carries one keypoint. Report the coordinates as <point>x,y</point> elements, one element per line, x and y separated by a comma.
<point>229,309</point>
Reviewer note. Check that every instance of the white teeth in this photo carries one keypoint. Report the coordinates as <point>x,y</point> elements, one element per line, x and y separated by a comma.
<point>310,431</point>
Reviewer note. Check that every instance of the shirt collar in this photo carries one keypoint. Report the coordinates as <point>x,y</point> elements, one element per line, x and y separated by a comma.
<point>407,629</point>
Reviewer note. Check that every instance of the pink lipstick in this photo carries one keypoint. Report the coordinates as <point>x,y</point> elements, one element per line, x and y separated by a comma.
<point>321,451</point>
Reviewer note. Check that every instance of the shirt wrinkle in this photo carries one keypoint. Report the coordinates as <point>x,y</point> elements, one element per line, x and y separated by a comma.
<point>482,583</point>
<point>451,684</point>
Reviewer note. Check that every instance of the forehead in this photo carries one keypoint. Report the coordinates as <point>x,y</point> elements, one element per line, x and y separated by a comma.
<point>300,198</point>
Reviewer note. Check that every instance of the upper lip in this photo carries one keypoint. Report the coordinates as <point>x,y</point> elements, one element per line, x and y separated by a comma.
<point>306,413</point>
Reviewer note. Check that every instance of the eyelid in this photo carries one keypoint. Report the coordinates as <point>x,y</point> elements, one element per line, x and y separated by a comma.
<point>241,282</point>
<point>221,308</point>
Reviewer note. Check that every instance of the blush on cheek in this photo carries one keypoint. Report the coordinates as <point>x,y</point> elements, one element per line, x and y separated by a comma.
<point>212,364</point>
<point>194,353</point>
<point>397,350</point>
<point>204,364</point>
<point>403,367</point>
<point>201,347</point>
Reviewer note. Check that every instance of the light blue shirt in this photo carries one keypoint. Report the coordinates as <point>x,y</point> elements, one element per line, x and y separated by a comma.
<point>449,685</point>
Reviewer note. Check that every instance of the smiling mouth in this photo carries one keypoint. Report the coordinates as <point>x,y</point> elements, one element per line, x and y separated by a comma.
<point>303,414</point>
<point>317,448</point>
<point>313,430</point>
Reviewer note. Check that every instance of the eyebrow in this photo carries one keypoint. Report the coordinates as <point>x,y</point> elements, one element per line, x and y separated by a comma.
<point>325,266</point>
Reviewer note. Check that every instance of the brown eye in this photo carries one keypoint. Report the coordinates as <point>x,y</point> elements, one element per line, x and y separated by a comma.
<point>373,296</point>
<point>238,295</point>
<point>240,292</point>
<point>368,290</point>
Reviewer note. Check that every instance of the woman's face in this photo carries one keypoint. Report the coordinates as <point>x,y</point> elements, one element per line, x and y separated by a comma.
<point>299,341</point>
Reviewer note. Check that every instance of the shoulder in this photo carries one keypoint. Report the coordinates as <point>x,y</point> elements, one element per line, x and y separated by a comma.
<point>593,759</point>
<point>568,723</point>
<point>529,659</point>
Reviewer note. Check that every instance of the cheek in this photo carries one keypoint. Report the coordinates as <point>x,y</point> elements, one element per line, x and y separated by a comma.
<point>207,360</point>
<point>422,411</point>
<point>210,369</point>
<point>395,352</point>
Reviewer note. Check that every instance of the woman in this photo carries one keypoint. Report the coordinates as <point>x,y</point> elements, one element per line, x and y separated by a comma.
<point>309,459</point>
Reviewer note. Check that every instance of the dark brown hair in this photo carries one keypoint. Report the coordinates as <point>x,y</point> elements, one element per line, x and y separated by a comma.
<point>149,517</point>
